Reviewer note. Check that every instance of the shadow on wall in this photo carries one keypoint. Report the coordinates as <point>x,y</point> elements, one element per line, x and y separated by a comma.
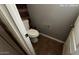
<point>53,20</point>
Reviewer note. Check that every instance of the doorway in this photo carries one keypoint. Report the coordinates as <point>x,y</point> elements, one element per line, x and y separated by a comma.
<point>45,45</point>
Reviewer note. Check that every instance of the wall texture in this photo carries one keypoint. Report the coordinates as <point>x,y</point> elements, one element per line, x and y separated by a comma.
<point>53,20</point>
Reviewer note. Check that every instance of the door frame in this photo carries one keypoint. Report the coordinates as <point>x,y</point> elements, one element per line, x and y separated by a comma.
<point>11,18</point>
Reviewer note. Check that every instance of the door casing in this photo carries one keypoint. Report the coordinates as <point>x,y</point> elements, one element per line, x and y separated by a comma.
<point>10,17</point>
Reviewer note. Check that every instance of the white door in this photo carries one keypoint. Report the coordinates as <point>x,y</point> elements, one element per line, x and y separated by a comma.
<point>9,15</point>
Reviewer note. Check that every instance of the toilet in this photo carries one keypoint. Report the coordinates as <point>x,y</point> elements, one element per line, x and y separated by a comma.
<point>32,33</point>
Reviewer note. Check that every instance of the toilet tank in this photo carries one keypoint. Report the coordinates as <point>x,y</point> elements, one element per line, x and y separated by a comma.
<point>26,24</point>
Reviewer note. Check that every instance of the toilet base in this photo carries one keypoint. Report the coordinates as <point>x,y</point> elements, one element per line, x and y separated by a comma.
<point>34,40</point>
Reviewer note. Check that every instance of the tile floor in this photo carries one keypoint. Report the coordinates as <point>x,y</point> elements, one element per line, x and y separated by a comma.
<point>46,46</point>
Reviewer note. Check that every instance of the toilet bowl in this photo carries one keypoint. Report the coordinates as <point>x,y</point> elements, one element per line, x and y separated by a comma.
<point>32,33</point>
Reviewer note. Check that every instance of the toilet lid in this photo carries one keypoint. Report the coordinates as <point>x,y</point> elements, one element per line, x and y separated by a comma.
<point>33,33</point>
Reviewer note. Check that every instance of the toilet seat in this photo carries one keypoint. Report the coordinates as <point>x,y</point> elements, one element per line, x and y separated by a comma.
<point>33,33</point>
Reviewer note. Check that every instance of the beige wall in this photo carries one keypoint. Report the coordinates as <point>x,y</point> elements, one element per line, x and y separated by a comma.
<point>53,20</point>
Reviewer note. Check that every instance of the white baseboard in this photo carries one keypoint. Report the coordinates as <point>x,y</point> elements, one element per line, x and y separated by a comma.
<point>52,38</point>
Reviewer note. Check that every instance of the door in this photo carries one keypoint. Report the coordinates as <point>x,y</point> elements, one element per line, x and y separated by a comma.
<point>10,17</point>
<point>7,45</point>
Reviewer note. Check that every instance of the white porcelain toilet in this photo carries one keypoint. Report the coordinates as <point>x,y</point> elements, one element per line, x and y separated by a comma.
<point>32,33</point>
